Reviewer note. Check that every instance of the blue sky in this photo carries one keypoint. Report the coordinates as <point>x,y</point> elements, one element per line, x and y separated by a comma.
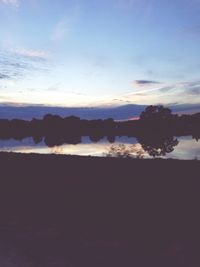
<point>99,52</point>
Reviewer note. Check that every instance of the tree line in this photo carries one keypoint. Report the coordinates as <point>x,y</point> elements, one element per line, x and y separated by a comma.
<point>155,125</point>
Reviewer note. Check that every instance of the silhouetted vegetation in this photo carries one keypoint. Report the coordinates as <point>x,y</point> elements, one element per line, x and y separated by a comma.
<point>101,211</point>
<point>156,113</point>
<point>156,130</point>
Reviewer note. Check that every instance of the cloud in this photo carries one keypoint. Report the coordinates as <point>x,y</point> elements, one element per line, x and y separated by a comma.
<point>12,66</point>
<point>9,63</point>
<point>14,3</point>
<point>15,66</point>
<point>4,76</point>
<point>195,91</point>
<point>191,88</point>
<point>60,31</point>
<point>166,89</point>
<point>67,22</point>
<point>145,82</point>
<point>154,92</point>
<point>183,88</point>
<point>32,53</point>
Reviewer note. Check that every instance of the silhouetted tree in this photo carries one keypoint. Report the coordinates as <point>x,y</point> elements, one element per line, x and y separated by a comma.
<point>155,113</point>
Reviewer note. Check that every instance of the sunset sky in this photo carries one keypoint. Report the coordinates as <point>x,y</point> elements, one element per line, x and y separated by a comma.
<point>99,52</point>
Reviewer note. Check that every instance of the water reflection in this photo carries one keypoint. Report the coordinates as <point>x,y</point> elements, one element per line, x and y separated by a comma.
<point>171,147</point>
<point>157,146</point>
<point>125,151</point>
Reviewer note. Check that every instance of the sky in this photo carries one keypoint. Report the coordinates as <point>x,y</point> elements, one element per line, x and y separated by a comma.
<point>99,52</point>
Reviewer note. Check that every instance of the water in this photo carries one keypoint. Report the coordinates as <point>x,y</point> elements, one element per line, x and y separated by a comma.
<point>187,148</point>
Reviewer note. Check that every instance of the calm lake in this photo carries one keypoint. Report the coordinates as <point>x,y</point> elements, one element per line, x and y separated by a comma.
<point>187,148</point>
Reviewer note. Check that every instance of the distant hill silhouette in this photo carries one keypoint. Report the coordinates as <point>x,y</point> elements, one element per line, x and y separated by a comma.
<point>117,113</point>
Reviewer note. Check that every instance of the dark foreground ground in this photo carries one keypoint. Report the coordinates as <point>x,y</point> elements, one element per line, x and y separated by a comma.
<point>82,211</point>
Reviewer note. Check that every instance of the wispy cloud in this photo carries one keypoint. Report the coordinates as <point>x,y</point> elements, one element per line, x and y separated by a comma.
<point>15,3</point>
<point>166,89</point>
<point>12,66</point>
<point>10,69</point>
<point>144,82</point>
<point>191,88</point>
<point>195,91</point>
<point>66,23</point>
<point>60,31</point>
<point>4,76</point>
<point>16,66</point>
<point>32,53</point>
<point>162,93</point>
<point>183,89</point>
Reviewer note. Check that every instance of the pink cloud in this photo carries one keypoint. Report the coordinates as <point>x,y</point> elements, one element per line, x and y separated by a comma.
<point>33,53</point>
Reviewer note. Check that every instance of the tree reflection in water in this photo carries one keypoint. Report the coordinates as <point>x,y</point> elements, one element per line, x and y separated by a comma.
<point>157,146</point>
